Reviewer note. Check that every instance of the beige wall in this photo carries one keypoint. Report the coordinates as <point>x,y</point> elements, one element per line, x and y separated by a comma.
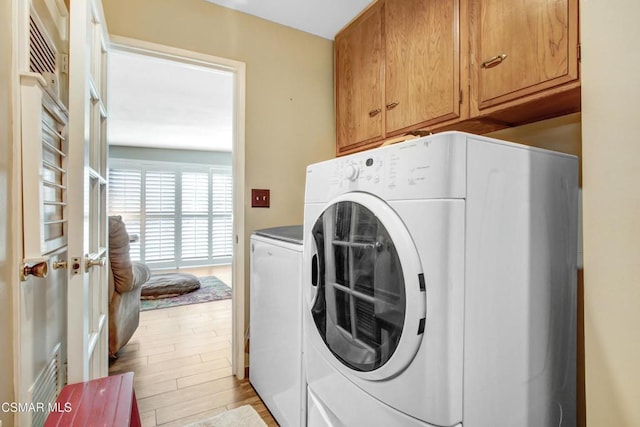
<point>6,318</point>
<point>560,134</point>
<point>611,200</point>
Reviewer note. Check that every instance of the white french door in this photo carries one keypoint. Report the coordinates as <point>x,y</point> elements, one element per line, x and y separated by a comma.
<point>88,284</point>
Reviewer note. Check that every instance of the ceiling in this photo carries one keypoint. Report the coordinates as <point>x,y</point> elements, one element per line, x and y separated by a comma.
<point>158,103</point>
<point>323,18</point>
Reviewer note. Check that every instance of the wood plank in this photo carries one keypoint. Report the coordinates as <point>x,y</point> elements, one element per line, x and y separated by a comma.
<point>203,377</point>
<point>144,389</point>
<point>202,403</point>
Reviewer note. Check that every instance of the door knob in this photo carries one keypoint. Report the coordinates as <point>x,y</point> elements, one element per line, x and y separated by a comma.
<point>94,262</point>
<point>39,269</point>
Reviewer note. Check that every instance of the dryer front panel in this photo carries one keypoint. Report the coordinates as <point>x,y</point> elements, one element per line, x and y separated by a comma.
<point>423,376</point>
<point>368,303</point>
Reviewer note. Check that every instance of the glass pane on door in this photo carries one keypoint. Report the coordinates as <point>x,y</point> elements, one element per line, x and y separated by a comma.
<point>360,305</point>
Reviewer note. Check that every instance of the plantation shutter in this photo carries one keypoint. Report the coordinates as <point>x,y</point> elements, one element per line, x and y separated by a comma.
<point>160,212</point>
<point>222,210</point>
<point>195,215</point>
<point>182,214</point>
<point>126,189</point>
<point>125,195</point>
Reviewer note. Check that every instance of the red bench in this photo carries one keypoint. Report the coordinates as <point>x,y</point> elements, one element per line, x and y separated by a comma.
<point>108,402</point>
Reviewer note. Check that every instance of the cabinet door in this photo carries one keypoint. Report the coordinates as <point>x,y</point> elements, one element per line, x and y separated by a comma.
<point>422,68</point>
<point>359,72</point>
<point>522,47</point>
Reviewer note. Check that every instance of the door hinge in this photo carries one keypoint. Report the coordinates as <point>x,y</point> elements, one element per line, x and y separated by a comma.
<point>579,52</point>
<point>64,375</point>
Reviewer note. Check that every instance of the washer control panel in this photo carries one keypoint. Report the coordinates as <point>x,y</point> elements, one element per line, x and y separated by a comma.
<point>368,169</point>
<point>424,167</point>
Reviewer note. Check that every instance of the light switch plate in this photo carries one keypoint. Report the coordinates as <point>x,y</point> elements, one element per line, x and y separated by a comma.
<point>260,198</point>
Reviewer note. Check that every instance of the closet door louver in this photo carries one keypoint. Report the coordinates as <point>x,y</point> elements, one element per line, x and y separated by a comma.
<point>54,175</point>
<point>44,167</point>
<point>44,149</point>
<point>42,56</point>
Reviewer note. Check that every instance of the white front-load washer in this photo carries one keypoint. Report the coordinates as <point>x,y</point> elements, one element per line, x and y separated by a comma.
<point>439,285</point>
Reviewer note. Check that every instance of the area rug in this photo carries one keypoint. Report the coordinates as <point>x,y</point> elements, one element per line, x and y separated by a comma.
<point>211,289</point>
<point>243,416</point>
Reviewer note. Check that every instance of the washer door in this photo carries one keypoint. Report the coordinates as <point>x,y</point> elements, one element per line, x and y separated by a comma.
<point>369,299</point>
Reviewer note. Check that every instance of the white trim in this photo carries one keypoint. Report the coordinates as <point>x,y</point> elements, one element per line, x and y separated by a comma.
<point>240,332</point>
<point>126,44</point>
<point>60,16</point>
<point>238,162</point>
<point>14,240</point>
<point>23,11</point>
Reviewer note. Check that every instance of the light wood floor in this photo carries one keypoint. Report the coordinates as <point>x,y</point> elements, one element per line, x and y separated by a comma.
<point>181,359</point>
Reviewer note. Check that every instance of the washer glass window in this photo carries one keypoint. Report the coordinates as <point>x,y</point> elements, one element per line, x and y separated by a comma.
<point>359,308</point>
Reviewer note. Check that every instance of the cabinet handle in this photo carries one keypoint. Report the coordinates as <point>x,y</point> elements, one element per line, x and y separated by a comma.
<point>375,112</point>
<point>392,105</point>
<point>495,61</point>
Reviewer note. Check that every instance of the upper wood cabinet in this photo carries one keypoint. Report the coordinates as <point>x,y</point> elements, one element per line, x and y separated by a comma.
<point>397,68</point>
<point>521,49</point>
<point>422,63</point>
<point>471,65</point>
<point>359,72</point>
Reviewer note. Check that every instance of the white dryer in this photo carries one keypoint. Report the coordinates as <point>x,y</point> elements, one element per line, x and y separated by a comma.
<point>439,285</point>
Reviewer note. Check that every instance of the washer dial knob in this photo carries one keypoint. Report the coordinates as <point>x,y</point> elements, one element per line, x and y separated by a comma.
<point>351,172</point>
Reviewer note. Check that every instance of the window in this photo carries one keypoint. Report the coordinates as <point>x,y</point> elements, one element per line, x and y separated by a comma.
<point>181,213</point>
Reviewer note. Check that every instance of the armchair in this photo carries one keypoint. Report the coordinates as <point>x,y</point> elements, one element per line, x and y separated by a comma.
<point>125,282</point>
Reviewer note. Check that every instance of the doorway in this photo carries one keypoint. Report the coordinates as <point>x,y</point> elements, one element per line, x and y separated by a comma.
<point>222,152</point>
